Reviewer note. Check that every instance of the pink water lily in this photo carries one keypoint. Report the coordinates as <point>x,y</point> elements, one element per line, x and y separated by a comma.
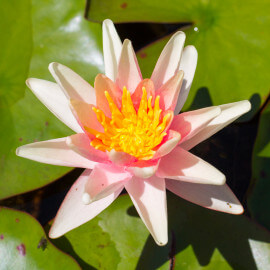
<point>129,135</point>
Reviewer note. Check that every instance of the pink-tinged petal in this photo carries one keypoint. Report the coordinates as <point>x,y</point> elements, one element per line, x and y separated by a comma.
<point>169,60</point>
<point>188,65</point>
<point>149,198</point>
<point>80,143</point>
<point>52,96</point>
<point>85,116</point>
<point>172,139</point>
<point>184,166</point>
<point>219,198</point>
<point>112,47</point>
<point>104,180</point>
<point>102,84</point>
<point>169,91</point>
<point>120,158</point>
<point>188,124</point>
<point>129,74</point>
<point>144,168</point>
<point>229,113</point>
<point>73,212</point>
<point>137,94</point>
<point>74,86</point>
<point>55,152</point>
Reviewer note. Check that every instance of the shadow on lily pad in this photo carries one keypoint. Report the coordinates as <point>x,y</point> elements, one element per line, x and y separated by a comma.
<point>205,231</point>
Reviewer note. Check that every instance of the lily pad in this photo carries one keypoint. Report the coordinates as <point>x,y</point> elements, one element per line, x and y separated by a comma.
<point>24,245</point>
<point>232,44</point>
<point>259,198</point>
<point>42,32</point>
<point>199,239</point>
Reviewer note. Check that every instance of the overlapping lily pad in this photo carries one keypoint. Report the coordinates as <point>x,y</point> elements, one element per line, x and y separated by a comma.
<point>42,32</point>
<point>199,239</point>
<point>24,245</point>
<point>230,37</point>
<point>259,199</point>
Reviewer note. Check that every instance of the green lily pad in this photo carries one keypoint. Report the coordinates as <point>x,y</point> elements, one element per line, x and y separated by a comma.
<point>43,32</point>
<point>265,151</point>
<point>259,197</point>
<point>24,245</point>
<point>199,239</point>
<point>230,37</point>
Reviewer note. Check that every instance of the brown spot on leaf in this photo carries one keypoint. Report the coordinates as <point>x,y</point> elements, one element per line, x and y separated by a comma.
<point>43,243</point>
<point>143,55</point>
<point>20,139</point>
<point>22,250</point>
<point>1,236</point>
<point>123,5</point>
<point>17,220</point>
<point>46,123</point>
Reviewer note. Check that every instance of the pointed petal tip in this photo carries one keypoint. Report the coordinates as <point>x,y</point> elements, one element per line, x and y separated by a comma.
<point>17,151</point>
<point>162,242</point>
<point>86,199</point>
<point>144,172</point>
<point>179,35</point>
<point>240,211</point>
<point>28,82</point>
<point>52,66</point>
<point>220,180</point>
<point>246,105</point>
<point>168,146</point>
<point>107,22</point>
<point>99,77</point>
<point>120,158</point>
<point>53,233</point>
<point>127,43</point>
<point>192,49</point>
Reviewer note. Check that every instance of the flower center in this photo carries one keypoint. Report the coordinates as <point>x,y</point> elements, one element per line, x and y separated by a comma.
<point>134,132</point>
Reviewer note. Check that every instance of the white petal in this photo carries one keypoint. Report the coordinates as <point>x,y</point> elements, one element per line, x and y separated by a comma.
<point>229,113</point>
<point>144,172</point>
<point>55,152</point>
<point>169,145</point>
<point>219,198</point>
<point>120,158</point>
<point>188,124</point>
<point>74,86</point>
<point>104,180</point>
<point>112,47</point>
<point>149,198</point>
<point>73,212</point>
<point>182,165</point>
<point>129,74</point>
<point>80,143</point>
<point>188,65</point>
<point>169,60</point>
<point>52,96</point>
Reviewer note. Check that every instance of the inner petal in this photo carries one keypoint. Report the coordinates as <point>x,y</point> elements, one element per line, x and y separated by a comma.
<point>136,132</point>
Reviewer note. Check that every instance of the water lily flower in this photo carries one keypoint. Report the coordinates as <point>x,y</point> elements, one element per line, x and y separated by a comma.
<point>129,135</point>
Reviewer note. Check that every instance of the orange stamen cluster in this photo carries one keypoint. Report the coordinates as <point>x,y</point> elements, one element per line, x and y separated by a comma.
<point>134,132</point>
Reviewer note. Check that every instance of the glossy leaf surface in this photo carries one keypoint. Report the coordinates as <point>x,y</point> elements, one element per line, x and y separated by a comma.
<point>24,245</point>
<point>43,32</point>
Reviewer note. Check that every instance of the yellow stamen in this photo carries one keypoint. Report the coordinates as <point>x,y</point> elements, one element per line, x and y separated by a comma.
<point>135,133</point>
